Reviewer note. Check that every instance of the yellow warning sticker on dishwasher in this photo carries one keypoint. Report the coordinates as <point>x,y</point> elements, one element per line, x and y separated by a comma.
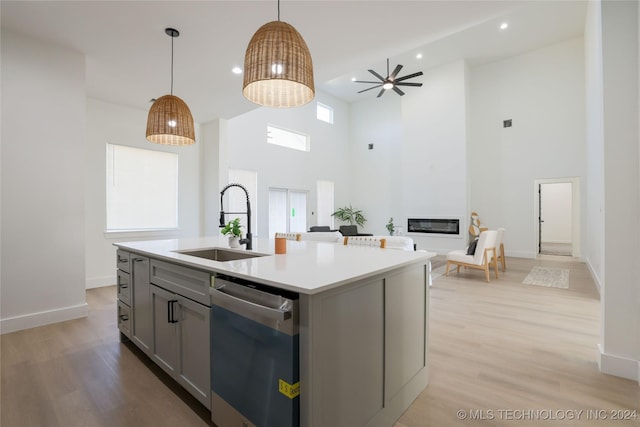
<point>290,390</point>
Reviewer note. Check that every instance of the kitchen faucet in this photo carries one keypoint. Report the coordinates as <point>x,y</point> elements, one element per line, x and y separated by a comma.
<point>248,238</point>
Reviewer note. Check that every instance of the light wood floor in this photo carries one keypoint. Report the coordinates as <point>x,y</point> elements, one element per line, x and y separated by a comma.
<point>494,347</point>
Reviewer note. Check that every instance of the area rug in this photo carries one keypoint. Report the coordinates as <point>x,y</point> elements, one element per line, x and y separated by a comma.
<point>550,277</point>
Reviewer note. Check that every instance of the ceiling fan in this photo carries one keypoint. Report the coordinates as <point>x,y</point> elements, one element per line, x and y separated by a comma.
<point>391,81</point>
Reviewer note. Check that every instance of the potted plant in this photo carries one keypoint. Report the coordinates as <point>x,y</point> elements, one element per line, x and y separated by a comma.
<point>350,215</point>
<point>233,229</point>
<point>390,227</point>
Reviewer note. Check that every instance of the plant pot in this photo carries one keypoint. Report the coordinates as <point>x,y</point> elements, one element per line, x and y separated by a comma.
<point>234,241</point>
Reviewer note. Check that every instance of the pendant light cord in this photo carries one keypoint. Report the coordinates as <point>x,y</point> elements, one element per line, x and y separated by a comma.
<point>172,37</point>
<point>278,10</point>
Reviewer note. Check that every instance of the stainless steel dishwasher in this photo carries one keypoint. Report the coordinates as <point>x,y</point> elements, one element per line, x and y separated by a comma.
<point>254,355</point>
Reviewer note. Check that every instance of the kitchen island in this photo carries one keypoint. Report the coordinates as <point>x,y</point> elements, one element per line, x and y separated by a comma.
<point>362,320</point>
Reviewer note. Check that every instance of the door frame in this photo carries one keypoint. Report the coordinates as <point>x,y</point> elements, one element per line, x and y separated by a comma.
<point>575,211</point>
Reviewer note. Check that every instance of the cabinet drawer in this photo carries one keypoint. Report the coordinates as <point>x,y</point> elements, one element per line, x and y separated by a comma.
<point>123,260</point>
<point>193,284</point>
<point>124,319</point>
<point>124,287</point>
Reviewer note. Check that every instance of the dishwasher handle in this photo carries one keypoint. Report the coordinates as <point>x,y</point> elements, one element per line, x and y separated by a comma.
<point>248,306</point>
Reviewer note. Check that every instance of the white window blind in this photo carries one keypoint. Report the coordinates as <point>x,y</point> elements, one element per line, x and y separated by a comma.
<point>287,211</point>
<point>142,189</point>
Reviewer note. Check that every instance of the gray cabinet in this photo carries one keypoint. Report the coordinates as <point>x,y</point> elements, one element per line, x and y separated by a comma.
<point>380,325</point>
<point>181,341</point>
<point>124,294</point>
<point>165,330</point>
<point>163,308</point>
<point>141,327</point>
<point>185,281</point>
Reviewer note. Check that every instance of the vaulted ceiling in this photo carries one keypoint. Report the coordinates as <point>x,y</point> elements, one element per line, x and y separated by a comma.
<point>128,53</point>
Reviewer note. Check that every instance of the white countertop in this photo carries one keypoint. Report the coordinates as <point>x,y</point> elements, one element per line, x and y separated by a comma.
<point>308,267</point>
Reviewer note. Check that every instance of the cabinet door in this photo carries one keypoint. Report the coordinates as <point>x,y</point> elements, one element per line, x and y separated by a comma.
<point>165,329</point>
<point>193,348</point>
<point>141,304</point>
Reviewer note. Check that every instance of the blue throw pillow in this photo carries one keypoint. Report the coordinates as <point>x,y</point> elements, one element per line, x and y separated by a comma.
<point>471,250</point>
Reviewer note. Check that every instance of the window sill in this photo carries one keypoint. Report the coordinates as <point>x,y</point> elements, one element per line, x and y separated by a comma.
<point>134,234</point>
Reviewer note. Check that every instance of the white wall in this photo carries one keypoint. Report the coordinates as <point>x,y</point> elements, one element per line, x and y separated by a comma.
<point>43,153</point>
<point>211,162</point>
<point>542,91</point>
<point>434,165</point>
<point>246,148</point>
<point>620,347</point>
<point>594,144</point>
<point>376,174</point>
<point>417,167</point>
<point>556,212</point>
<point>115,124</point>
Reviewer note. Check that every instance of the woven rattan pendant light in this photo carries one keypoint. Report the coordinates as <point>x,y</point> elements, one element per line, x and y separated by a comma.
<point>278,71</point>
<point>170,121</point>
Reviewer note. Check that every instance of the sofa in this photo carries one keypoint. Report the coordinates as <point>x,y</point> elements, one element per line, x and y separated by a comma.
<point>392,242</point>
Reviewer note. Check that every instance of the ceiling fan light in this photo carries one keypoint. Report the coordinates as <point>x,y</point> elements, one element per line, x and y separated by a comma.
<point>170,122</point>
<point>278,70</point>
<point>387,85</point>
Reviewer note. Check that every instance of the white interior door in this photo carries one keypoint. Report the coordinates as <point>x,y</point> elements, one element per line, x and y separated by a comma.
<point>297,211</point>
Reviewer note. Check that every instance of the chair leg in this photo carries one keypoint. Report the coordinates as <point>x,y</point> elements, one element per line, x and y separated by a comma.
<point>446,273</point>
<point>502,258</point>
<point>486,271</point>
<point>495,266</point>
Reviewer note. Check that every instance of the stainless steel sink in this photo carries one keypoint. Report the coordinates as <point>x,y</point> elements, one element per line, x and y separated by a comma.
<point>220,254</point>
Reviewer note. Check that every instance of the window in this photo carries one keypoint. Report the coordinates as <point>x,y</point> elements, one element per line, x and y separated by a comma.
<point>287,138</point>
<point>142,189</point>
<point>324,113</point>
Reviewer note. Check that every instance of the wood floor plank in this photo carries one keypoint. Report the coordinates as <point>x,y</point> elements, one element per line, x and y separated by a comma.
<point>503,346</point>
<point>494,347</point>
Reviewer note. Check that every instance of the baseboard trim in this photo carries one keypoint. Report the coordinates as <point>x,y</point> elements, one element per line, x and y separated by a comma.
<point>99,282</point>
<point>618,366</point>
<point>33,320</point>
<point>594,276</point>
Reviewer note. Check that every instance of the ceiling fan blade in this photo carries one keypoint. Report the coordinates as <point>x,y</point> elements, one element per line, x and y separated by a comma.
<point>372,87</point>
<point>410,76</point>
<point>381,92</point>
<point>395,72</point>
<point>398,91</point>
<point>408,84</point>
<point>377,75</point>
<point>362,81</point>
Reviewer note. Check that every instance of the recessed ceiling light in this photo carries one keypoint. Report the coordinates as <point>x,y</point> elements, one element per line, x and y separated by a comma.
<point>504,26</point>
<point>236,70</point>
<point>419,56</point>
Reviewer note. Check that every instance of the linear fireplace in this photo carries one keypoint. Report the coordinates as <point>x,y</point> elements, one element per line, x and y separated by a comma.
<point>433,225</point>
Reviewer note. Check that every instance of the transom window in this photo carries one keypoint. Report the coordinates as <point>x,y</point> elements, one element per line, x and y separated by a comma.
<point>324,113</point>
<point>287,138</point>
